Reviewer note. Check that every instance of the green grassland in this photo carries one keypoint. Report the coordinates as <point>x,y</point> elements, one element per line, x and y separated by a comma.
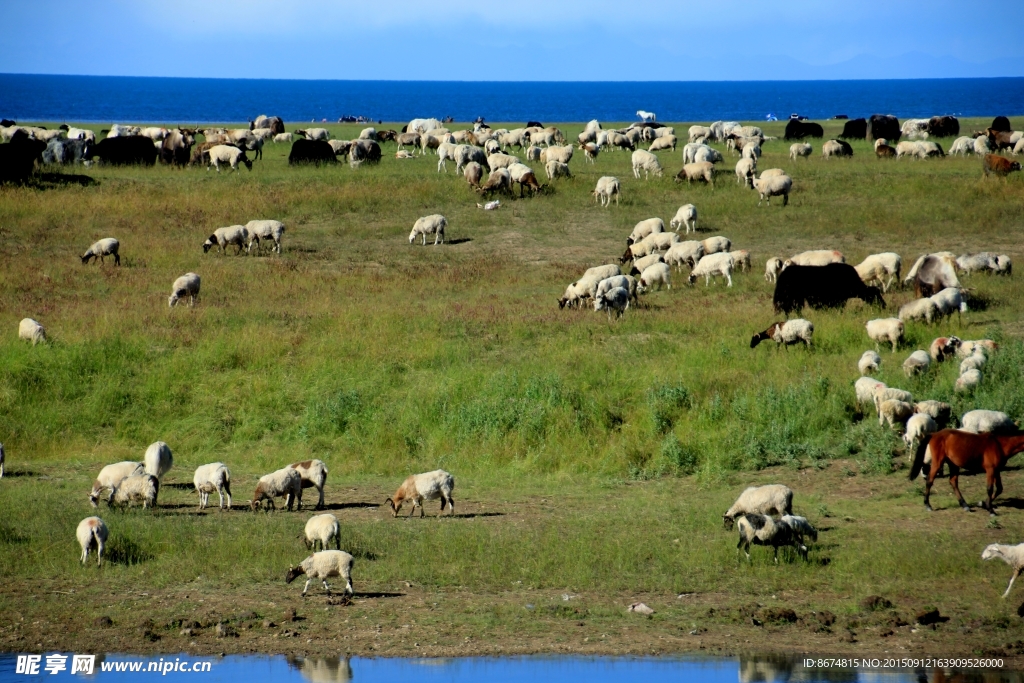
<point>591,456</point>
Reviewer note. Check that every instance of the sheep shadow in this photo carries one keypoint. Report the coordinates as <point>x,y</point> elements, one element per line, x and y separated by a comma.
<point>20,473</point>
<point>374,595</point>
<point>460,240</point>
<point>474,515</point>
<point>346,506</point>
<point>1014,503</point>
<point>53,180</point>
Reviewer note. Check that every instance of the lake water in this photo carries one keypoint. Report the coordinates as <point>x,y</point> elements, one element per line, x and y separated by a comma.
<point>193,100</point>
<point>282,669</point>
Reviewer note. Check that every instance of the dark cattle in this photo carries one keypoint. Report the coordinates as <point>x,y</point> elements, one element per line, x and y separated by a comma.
<point>62,151</point>
<point>405,128</point>
<point>1001,123</point>
<point>312,152</point>
<point>7,123</point>
<point>934,275</point>
<point>177,148</point>
<point>855,129</point>
<point>124,151</point>
<point>885,152</point>
<point>364,150</point>
<point>798,130</point>
<point>884,126</point>
<point>18,158</point>
<point>274,123</point>
<point>531,124</point>
<point>821,287</point>
<point>943,126</point>
<point>999,165</point>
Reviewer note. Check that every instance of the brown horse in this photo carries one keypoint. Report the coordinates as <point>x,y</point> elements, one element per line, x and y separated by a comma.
<point>965,450</point>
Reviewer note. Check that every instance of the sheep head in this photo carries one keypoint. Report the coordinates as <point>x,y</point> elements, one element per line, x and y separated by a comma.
<point>394,507</point>
<point>293,573</point>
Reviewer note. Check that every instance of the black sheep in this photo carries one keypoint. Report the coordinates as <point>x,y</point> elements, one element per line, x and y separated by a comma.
<point>312,152</point>
<point>124,151</point>
<point>798,130</point>
<point>828,286</point>
<point>855,129</point>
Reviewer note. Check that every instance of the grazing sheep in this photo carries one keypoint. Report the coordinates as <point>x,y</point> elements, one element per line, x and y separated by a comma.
<point>773,186</point>
<point>103,248</point>
<point>663,142</point>
<point>800,149</point>
<point>772,268</point>
<point>314,133</point>
<point>949,301</point>
<point>770,499</point>
<point>210,478</point>
<point>690,152</point>
<point>919,425</point>
<point>972,263</point>
<point>646,162</point>
<point>942,348</point>
<point>745,172</point>
<point>323,565</point>
<point>557,169</point>
<point>973,362</point>
<point>968,348</point>
<point>226,154</point>
<point>615,299</point>
<point>763,530</point>
<point>884,393</point>
<point>1012,555</point>
<point>500,180</point>
<point>420,487</point>
<point>881,268</point>
<point>962,145</point>
<point>590,151</point>
<point>314,475</point>
<point>749,152</point>
<point>705,153</point>
<point>607,186</point>
<point>473,173</point>
<point>237,235</point>
<point>894,412</point>
<point>321,529</point>
<point>284,137</point>
<point>158,459</point>
<point>981,421</point>
<point>865,389</point>
<point>816,257</point>
<point>92,533</point>
<point>869,362</point>
<point>111,476</point>
<point>30,330</point>
<point>284,482</point>
<point>689,253</point>
<point>627,282</point>
<point>261,231</point>
<point>138,488</point>
<point>801,527</point>
<point>919,309</point>
<point>916,363</point>
<point>788,332</point>
<point>655,274</point>
<point>186,285</point>
<point>703,170</point>
<point>429,225</point>
<point>836,148</point>
<point>712,264</point>
<point>686,215</point>
<point>741,259</point>
<point>644,228</point>
<point>968,381</point>
<point>713,245</point>
<point>641,263</point>
<point>937,410</point>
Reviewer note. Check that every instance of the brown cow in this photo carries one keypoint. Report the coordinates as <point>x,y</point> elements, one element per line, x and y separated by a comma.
<point>999,165</point>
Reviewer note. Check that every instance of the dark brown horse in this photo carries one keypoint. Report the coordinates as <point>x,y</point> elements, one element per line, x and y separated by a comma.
<point>972,452</point>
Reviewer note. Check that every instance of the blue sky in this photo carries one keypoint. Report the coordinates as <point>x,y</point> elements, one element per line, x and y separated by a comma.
<point>474,40</point>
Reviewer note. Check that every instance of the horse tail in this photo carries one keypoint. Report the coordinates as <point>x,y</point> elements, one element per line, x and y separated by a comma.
<point>922,447</point>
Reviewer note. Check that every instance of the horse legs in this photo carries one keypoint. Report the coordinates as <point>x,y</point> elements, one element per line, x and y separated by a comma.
<point>994,481</point>
<point>954,480</point>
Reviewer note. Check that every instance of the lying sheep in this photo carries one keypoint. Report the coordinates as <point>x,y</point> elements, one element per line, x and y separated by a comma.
<point>321,529</point>
<point>615,299</point>
<point>186,285</point>
<point>663,142</point>
<point>607,187</point>
<point>919,425</point>
<point>772,268</point>
<point>421,487</point>
<point>937,410</point>
<point>138,488</point>
<point>92,533</point>
<point>644,228</point>
<point>323,565</point>
<point>284,137</point>
<point>30,330</point>
<point>704,170</point>
<point>984,421</point>
<point>285,482</point>
<point>800,149</point>
<point>881,268</point>
<point>103,248</point>
<point>720,263</point>
<point>655,274</point>
<point>686,215</point>
<point>788,332</point>
<point>237,235</point>
<point>429,225</point>
<point>968,381</point>
<point>916,363</point>
<point>770,499</point>
<point>773,186</point>
<point>158,459</point>
<point>894,412</point>
<point>868,363</point>
<point>688,253</point>
<point>888,330</point>
<point>763,530</point>
<point>865,389</point>
<point>919,309</point>
<point>314,475</point>
<point>111,476</point>
<point>261,231</point>
<point>942,348</point>
<point>210,478</point>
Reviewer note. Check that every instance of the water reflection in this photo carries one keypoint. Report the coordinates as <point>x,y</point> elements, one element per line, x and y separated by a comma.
<point>323,669</point>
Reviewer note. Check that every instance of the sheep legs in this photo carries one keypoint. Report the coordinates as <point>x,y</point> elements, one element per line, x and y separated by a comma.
<point>1016,573</point>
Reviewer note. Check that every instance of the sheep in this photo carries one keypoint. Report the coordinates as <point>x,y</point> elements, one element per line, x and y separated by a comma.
<point>699,133</point>
<point>981,146</point>
<point>340,147</point>
<point>237,235</point>
<point>590,151</point>
<point>602,272</point>
<point>615,299</point>
<point>750,152</point>
<point>261,231</point>
<point>492,147</point>
<point>969,263</point>
<point>968,348</point>
<point>158,459</point>
<point>410,138</point>
<point>919,425</point>
<point>894,412</point>
<point>646,162</point>
<point>644,261</point>
<point>745,170</point>
<point>949,301</point>
<point>655,274</point>
<point>627,282</point>
<point>868,363</point>
<point>816,257</point>
<point>919,309</point>
<point>836,148</point>
<point>885,330</point>
<point>741,259</point>
<point>710,154</point>
<point>467,153</point>
<point>983,421</point>
<point>763,530</point>
<point>607,186</point>
<point>30,330</point>
<point>881,268</point>
<point>186,285</point>
<point>284,137</point>
<point>323,565</point>
<point>773,187</point>
<point>498,180</point>
<point>770,499</point>
<point>772,268</point>
<point>656,241</point>
<point>112,475</point>
<point>314,133</point>
<point>975,362</point>
<point>968,381</point>
<point>321,529</point>
<point>92,533</point>
<point>210,478</point>
<point>789,332</point>
<point>720,263</point>
<point>1018,147</point>
<point>942,348</point>
<point>107,246</point>
<point>368,134</point>
<point>523,174</point>
<point>865,388</point>
<point>81,134</point>
<point>556,169</point>
<point>284,482</point>
<point>473,173</point>
<point>663,142</point>
<point>644,228</point>
<point>429,225</point>
<point>801,527</point>
<point>884,393</point>
<point>314,475</point>
<point>689,252</point>
<point>690,151</point>
<point>916,363</point>
<point>937,410</point>
<point>800,149</point>
<point>686,215</point>
<point>138,488</point>
<point>420,487</point>
<point>562,154</point>
<point>704,170</point>
<point>227,154</point>
<point>713,245</point>
<point>1012,555</point>
<point>962,145</point>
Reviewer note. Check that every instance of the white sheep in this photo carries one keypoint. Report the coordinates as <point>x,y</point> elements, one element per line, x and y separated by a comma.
<point>881,268</point>
<point>719,263</point>
<point>884,393</point>
<point>663,142</point>
<point>556,169</point>
<point>641,263</point>
<point>916,363</point>
<point>949,301</point>
<point>421,487</point>
<point>919,309</point>
<point>645,228</point>
<point>210,478</point>
<point>315,133</point>
<point>967,348</point>
<point>261,231</point>
<point>800,526</point>
<point>885,330</point>
<point>968,381</point>
<point>763,530</point>
<point>699,133</point>
<point>773,187</point>
<point>107,246</point>
<point>341,147</point>
<point>284,137</point>
<point>1018,147</point>
<point>627,282</point>
<point>835,148</point>
<point>607,186</point>
<point>800,149</point>
<point>981,421</point>
<point>237,235</point>
<point>112,475</point>
<point>894,412</point>
<point>227,154</point>
<point>690,151</point>
<point>686,215</point>
<point>741,260</point>
<point>556,153</point>
<point>286,482</point>
<point>981,146</point>
<point>708,154</point>
<point>186,285</point>
<point>937,410</point>
<point>975,361</point>
<point>655,274</point>
<point>865,388</point>
<point>92,533</point>
<point>745,172</point>
<point>750,152</point>
<point>158,459</point>
<point>789,332</point>
<point>321,529</point>
<point>689,253</point>
<point>1012,555</point>
<point>138,488</point>
<point>323,565</point>
<point>919,425</point>
<point>615,299</point>
<point>713,245</point>
<point>703,170</point>
<point>30,330</point>
<point>770,499</point>
<point>817,257</point>
<point>962,145</point>
<point>314,475</point>
<point>646,162</point>
<point>81,134</point>
<point>772,268</point>
<point>429,225</point>
<point>869,362</point>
